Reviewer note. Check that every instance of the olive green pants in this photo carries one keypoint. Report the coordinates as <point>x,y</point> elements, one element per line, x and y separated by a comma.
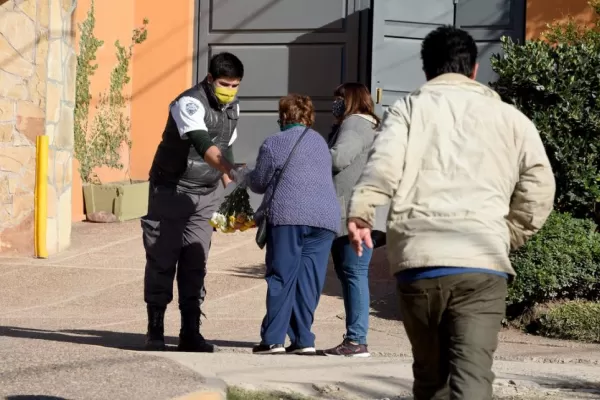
<point>453,323</point>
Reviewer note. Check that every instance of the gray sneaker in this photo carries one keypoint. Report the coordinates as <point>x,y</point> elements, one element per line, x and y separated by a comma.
<point>349,349</point>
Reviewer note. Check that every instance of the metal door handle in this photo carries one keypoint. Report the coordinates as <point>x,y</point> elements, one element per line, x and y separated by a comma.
<point>378,93</point>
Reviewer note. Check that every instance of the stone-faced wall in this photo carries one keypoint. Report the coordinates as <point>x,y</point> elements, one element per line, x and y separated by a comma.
<point>37,94</point>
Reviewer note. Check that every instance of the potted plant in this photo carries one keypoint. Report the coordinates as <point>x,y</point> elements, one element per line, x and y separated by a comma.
<point>98,140</point>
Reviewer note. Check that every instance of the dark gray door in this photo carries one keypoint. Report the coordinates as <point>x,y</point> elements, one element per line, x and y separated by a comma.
<point>487,21</point>
<point>303,46</point>
<point>399,26</point>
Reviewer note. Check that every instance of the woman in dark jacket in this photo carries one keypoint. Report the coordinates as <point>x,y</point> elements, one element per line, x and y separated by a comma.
<point>349,145</point>
<point>304,217</point>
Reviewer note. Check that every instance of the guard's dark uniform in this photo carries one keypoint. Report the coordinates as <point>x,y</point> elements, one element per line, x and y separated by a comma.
<point>184,193</point>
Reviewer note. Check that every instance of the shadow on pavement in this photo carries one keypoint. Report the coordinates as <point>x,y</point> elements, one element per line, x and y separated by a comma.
<point>384,302</point>
<point>569,384</point>
<point>33,397</point>
<point>116,340</point>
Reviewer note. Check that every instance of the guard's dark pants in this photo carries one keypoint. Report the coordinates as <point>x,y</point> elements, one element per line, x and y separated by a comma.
<point>177,234</point>
<point>296,261</point>
<point>453,324</point>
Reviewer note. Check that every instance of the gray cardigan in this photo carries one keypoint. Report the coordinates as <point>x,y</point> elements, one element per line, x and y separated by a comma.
<point>349,148</point>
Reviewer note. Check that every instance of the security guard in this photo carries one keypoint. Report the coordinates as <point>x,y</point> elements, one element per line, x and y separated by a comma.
<point>192,160</point>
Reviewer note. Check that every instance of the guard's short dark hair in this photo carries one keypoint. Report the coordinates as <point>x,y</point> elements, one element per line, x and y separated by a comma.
<point>448,49</point>
<point>226,65</point>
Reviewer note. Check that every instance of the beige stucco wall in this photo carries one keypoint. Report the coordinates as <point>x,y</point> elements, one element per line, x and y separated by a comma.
<point>37,94</point>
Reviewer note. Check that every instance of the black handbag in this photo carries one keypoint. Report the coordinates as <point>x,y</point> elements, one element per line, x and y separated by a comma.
<point>261,230</point>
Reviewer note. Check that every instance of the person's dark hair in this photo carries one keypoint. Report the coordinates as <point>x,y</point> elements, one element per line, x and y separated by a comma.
<point>226,65</point>
<point>448,50</point>
<point>357,100</point>
<point>296,109</point>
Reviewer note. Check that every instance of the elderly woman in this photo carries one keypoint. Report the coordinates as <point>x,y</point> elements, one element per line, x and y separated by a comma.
<point>303,219</point>
<point>349,144</point>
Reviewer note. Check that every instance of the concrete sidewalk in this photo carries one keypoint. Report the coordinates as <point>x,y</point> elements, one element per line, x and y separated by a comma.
<point>72,327</point>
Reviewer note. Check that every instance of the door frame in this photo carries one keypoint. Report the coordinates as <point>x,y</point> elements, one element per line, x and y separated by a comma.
<point>196,43</point>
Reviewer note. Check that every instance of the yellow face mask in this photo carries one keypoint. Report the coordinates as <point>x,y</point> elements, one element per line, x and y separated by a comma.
<point>225,95</point>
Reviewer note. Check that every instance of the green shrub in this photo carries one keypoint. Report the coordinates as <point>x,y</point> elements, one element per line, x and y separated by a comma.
<point>556,84</point>
<point>574,320</point>
<point>561,262</point>
<point>235,393</point>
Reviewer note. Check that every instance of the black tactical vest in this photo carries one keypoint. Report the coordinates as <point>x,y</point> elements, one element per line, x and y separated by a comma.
<point>176,160</point>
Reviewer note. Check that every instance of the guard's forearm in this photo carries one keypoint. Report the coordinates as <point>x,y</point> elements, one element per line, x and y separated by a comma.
<point>215,159</point>
<point>209,152</point>
<point>201,141</point>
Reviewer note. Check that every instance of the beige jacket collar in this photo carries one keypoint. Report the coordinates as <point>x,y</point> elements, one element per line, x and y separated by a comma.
<point>467,83</point>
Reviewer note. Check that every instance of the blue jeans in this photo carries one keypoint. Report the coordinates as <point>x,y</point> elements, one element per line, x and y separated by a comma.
<point>296,261</point>
<point>353,272</point>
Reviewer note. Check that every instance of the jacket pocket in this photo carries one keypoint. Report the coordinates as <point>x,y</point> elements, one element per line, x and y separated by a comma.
<point>232,113</point>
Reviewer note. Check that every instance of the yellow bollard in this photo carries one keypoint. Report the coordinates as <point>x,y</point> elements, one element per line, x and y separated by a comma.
<point>41,197</point>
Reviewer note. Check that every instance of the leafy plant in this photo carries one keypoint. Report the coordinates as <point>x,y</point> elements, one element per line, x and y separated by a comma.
<point>235,393</point>
<point>555,82</point>
<point>97,143</point>
<point>86,68</point>
<point>573,320</point>
<point>561,262</point>
<point>572,32</point>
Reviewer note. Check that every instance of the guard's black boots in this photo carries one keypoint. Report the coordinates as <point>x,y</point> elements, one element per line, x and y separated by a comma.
<point>155,337</point>
<point>190,338</point>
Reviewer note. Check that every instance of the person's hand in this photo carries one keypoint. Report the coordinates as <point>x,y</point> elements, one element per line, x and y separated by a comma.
<point>226,180</point>
<point>359,232</point>
<point>238,175</point>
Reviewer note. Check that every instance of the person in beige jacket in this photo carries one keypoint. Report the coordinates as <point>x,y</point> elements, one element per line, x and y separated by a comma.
<point>468,179</point>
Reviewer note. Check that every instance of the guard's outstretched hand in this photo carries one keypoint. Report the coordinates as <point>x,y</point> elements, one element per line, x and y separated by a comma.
<point>239,175</point>
<point>226,180</point>
<point>359,232</point>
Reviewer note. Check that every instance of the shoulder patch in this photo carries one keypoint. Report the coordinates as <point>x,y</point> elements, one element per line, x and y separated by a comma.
<point>191,108</point>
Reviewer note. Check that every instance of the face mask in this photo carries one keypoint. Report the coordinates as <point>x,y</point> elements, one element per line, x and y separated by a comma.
<point>225,95</point>
<point>338,108</point>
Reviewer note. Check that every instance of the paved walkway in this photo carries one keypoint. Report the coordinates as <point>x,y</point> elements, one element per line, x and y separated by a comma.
<point>72,326</point>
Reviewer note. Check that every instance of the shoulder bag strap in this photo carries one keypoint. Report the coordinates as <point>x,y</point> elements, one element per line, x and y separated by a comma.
<point>277,174</point>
